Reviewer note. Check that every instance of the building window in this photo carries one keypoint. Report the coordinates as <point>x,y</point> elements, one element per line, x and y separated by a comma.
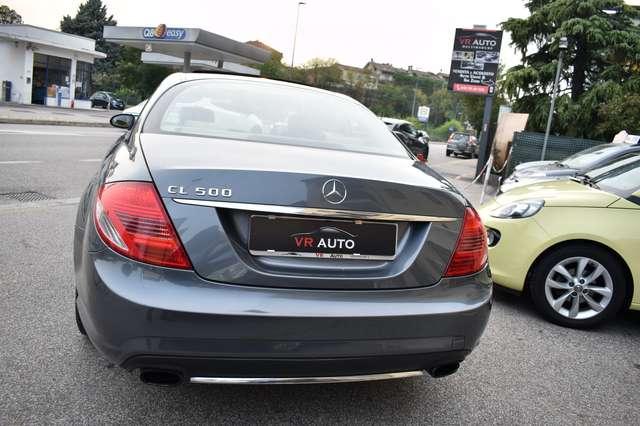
<point>83,80</point>
<point>51,78</point>
<point>58,76</point>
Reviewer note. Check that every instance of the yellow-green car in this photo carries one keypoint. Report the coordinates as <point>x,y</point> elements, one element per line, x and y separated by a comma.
<point>574,246</point>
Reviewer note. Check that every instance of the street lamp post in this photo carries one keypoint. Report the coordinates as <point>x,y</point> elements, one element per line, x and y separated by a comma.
<point>415,92</point>
<point>563,46</point>
<point>295,34</point>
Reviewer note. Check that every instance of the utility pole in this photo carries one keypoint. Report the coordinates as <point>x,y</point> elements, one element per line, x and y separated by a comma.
<point>295,35</point>
<point>563,45</point>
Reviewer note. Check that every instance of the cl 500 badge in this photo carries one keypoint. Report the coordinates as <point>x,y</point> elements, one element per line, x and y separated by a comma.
<point>201,191</point>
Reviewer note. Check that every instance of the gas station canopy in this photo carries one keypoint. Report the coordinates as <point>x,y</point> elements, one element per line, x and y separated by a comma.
<point>186,43</point>
<point>197,64</point>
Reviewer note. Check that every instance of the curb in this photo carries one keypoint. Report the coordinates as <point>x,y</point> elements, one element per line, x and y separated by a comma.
<point>52,122</point>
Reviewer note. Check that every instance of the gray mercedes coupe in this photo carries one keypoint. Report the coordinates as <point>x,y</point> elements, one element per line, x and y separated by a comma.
<point>245,230</point>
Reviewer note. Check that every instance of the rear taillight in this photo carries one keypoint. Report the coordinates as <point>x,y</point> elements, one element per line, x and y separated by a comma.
<point>470,255</point>
<point>421,157</point>
<point>131,219</point>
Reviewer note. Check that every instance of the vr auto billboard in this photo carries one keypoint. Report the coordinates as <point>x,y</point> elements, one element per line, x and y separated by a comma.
<point>474,62</point>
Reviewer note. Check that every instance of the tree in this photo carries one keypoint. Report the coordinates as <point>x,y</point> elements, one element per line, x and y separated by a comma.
<point>322,72</point>
<point>473,106</point>
<point>9,16</point>
<point>274,68</point>
<point>131,79</point>
<point>392,100</point>
<point>89,21</point>
<point>444,106</point>
<point>427,85</point>
<point>599,65</point>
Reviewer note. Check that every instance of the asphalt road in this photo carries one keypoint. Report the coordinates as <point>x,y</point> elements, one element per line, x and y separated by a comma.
<point>524,371</point>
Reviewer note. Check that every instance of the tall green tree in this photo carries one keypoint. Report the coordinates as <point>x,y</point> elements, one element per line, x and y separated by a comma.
<point>130,78</point>
<point>9,16</point>
<point>600,65</point>
<point>89,21</point>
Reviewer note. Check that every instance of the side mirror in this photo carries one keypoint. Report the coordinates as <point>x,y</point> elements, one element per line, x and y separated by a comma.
<point>123,121</point>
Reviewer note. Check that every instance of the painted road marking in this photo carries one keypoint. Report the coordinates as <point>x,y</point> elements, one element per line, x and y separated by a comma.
<point>21,162</point>
<point>83,160</point>
<point>39,204</point>
<point>53,133</point>
<point>35,132</point>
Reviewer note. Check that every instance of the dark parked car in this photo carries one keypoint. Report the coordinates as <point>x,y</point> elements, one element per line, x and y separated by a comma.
<point>416,140</point>
<point>577,164</point>
<point>306,246</point>
<point>106,100</point>
<point>460,143</point>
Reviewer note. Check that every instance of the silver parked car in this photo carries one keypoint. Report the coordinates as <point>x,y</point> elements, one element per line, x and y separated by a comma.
<point>310,248</point>
<point>577,164</point>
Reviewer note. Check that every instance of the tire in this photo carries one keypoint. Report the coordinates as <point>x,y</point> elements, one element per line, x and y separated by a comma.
<point>447,153</point>
<point>598,300</point>
<point>79,320</point>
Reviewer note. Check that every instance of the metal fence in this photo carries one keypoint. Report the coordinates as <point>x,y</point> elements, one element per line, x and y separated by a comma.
<point>527,146</point>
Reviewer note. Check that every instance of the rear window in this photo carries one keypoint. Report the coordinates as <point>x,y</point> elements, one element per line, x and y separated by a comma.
<point>261,111</point>
<point>460,137</point>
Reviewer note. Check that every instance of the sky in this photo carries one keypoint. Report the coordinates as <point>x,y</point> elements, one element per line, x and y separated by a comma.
<point>402,32</point>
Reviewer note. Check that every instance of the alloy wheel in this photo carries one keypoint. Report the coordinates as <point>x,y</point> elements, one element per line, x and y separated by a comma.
<point>578,288</point>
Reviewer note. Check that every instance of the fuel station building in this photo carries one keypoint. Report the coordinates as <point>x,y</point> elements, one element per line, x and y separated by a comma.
<point>46,67</point>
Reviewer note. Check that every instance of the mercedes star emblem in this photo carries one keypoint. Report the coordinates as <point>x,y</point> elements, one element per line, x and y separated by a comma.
<point>334,191</point>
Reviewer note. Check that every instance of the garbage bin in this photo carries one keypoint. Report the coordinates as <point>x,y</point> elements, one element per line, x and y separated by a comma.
<point>6,91</point>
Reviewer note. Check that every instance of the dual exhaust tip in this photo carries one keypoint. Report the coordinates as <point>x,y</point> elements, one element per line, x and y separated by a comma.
<point>168,378</point>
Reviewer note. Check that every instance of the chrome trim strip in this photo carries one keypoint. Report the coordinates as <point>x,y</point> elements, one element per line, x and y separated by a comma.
<point>319,255</point>
<point>312,211</point>
<point>302,380</point>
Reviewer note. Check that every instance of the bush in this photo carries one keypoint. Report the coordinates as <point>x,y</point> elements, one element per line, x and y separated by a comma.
<point>417,124</point>
<point>129,96</point>
<point>441,133</point>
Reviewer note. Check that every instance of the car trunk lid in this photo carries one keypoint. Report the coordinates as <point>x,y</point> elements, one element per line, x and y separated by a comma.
<point>213,188</point>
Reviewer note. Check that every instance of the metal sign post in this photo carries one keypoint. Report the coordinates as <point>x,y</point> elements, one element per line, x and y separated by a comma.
<point>484,135</point>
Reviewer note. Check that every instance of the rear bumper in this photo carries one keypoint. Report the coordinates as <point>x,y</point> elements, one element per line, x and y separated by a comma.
<point>140,316</point>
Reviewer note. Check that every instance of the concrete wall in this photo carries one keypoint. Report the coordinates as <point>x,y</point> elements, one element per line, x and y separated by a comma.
<point>12,68</point>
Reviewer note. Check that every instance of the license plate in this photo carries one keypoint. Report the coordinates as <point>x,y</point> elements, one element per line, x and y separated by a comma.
<point>322,238</point>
